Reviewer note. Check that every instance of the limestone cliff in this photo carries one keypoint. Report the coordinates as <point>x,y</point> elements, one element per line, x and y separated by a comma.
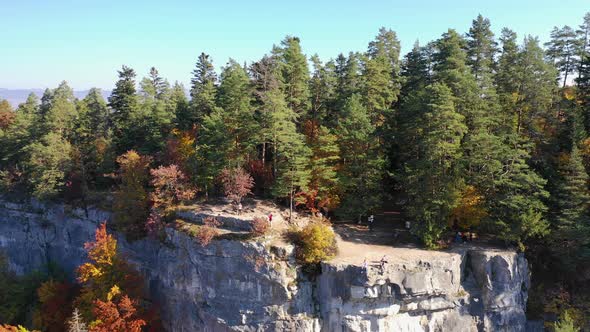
<point>255,285</point>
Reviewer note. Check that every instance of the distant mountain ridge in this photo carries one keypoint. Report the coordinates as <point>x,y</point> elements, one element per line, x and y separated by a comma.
<point>18,96</point>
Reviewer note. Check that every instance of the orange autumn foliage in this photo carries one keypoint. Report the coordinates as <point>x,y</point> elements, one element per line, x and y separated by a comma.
<point>105,269</point>
<point>119,316</point>
<point>180,148</point>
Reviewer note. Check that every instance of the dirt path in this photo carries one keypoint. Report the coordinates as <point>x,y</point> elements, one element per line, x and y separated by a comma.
<point>356,242</point>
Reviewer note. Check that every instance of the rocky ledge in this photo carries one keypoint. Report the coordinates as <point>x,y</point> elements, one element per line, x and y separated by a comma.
<point>256,286</point>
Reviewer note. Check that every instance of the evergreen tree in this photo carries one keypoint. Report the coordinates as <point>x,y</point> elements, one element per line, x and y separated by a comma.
<point>450,68</point>
<point>158,112</point>
<point>361,171</point>
<point>295,75</point>
<point>349,77</point>
<point>507,86</point>
<point>59,117</point>
<point>202,92</point>
<point>235,101</point>
<point>481,50</point>
<point>518,210</point>
<point>20,133</point>
<point>563,49</point>
<point>323,189</point>
<point>178,103</point>
<point>268,99</point>
<point>434,180</point>
<point>98,113</point>
<point>583,79</point>
<point>125,111</point>
<point>92,140</point>
<point>572,201</point>
<point>291,158</point>
<point>322,88</point>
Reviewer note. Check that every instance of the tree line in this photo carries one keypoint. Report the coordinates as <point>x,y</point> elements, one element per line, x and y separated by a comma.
<point>484,132</point>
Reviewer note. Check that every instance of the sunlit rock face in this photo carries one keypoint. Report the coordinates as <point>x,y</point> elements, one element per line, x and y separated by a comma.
<point>472,290</point>
<point>255,285</point>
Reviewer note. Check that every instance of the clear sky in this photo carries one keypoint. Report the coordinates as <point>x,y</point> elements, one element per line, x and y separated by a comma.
<point>85,42</point>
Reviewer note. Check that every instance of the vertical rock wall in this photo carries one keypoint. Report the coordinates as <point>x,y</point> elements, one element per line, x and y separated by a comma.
<point>221,288</point>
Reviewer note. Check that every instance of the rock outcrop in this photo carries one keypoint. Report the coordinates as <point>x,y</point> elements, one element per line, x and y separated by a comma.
<point>255,285</point>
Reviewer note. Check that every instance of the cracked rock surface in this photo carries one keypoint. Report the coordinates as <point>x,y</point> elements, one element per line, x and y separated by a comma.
<point>221,287</point>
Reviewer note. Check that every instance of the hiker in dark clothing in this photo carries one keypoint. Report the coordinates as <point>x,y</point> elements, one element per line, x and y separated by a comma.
<point>371,220</point>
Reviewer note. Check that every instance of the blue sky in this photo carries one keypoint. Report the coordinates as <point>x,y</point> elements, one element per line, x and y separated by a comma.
<point>85,42</point>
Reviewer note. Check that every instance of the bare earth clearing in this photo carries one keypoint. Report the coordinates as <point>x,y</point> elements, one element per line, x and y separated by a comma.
<point>355,242</point>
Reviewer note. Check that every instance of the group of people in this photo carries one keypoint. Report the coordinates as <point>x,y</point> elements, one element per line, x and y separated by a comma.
<point>461,237</point>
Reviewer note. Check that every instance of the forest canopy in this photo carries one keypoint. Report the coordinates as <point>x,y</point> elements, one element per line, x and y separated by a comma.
<point>485,132</point>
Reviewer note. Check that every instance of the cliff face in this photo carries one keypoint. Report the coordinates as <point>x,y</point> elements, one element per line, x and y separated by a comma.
<point>255,285</point>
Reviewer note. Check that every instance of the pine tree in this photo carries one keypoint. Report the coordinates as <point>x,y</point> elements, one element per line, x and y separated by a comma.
<point>292,157</point>
<point>349,77</point>
<point>59,117</point>
<point>450,68</point>
<point>322,88</point>
<point>563,50</point>
<point>98,113</point>
<point>237,112</point>
<point>583,79</point>
<point>481,50</point>
<point>434,180</point>
<point>323,189</point>
<point>536,90</point>
<point>125,111</point>
<point>572,201</point>
<point>518,209</point>
<point>158,113</point>
<point>507,86</point>
<point>268,99</point>
<point>202,92</point>
<point>295,75</point>
<point>361,169</point>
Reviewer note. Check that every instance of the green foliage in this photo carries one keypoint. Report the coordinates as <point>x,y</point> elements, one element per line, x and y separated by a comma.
<point>18,294</point>
<point>434,181</point>
<point>565,324</point>
<point>362,167</point>
<point>125,111</point>
<point>294,74</point>
<point>48,165</point>
<point>203,91</point>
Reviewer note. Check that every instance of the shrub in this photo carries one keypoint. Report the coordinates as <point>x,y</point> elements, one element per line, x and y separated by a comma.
<point>260,226</point>
<point>315,243</point>
<point>208,232</point>
<point>237,183</point>
<point>170,186</point>
<point>565,323</point>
